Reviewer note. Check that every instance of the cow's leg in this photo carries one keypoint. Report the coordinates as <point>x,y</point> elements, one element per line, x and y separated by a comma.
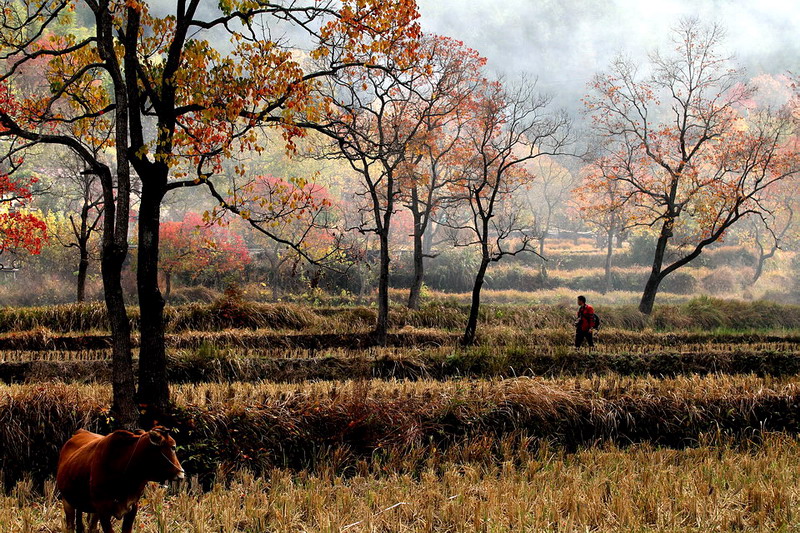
<point>78,521</point>
<point>105,523</point>
<point>127,520</point>
<point>69,517</point>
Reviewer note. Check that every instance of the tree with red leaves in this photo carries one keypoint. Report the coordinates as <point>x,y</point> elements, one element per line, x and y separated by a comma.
<point>193,249</point>
<point>20,230</point>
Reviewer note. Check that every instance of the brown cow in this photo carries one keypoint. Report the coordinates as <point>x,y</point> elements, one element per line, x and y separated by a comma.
<point>105,476</point>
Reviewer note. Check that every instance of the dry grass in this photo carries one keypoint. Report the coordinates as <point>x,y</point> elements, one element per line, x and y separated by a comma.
<point>64,318</point>
<point>442,314</point>
<point>475,392</point>
<point>639,488</point>
<point>461,455</point>
<point>542,337</point>
<point>339,424</point>
<point>561,296</point>
<point>546,343</point>
<point>244,355</point>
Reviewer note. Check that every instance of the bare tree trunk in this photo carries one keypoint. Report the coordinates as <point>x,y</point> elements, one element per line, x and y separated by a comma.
<point>472,320</point>
<point>363,283</point>
<point>115,248</point>
<point>167,285</point>
<point>83,247</point>
<point>124,388</point>
<point>759,268</point>
<point>421,222</point>
<point>419,266</point>
<point>83,268</point>
<point>382,326</point>
<point>609,252</point>
<point>654,280</point>
<point>649,294</point>
<point>153,387</point>
<point>762,259</point>
<point>116,202</point>
<point>543,268</point>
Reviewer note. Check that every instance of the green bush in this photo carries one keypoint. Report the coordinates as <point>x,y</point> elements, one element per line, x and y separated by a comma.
<point>642,249</point>
<point>711,313</point>
<point>197,294</point>
<point>451,271</point>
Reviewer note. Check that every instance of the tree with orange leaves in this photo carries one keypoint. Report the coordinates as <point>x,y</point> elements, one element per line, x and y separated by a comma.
<point>605,202</point>
<point>697,165</point>
<point>151,92</point>
<point>508,127</point>
<point>436,152</point>
<point>374,121</point>
<point>776,226</point>
<point>547,199</point>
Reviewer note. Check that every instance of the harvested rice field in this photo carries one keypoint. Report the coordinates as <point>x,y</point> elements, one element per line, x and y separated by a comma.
<point>287,429</point>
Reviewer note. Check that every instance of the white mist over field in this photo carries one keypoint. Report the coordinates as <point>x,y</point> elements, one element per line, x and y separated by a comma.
<point>564,43</point>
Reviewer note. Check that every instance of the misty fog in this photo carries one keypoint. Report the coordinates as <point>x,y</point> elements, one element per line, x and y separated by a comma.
<point>565,43</point>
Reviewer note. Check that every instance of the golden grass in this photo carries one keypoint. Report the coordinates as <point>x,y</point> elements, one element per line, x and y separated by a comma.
<point>640,488</point>
<point>496,341</point>
<point>479,392</point>
<point>501,482</point>
<point>313,424</point>
<point>446,314</point>
<point>483,391</point>
<point>561,296</point>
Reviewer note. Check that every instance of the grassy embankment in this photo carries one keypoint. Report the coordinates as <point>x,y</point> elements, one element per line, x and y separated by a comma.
<point>263,425</point>
<point>234,340</point>
<point>696,314</point>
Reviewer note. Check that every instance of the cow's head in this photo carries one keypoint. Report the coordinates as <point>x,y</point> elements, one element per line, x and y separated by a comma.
<point>162,463</point>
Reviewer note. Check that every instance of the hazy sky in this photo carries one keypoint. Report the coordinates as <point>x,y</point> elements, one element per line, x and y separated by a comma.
<point>564,42</point>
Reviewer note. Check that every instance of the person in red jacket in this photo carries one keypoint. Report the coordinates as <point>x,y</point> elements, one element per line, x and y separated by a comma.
<point>584,323</point>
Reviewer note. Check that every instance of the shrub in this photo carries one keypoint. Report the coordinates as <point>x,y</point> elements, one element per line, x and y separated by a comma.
<point>730,256</point>
<point>679,282</point>
<point>504,276</point>
<point>30,288</point>
<point>721,281</point>
<point>197,294</point>
<point>642,249</point>
<point>231,312</point>
<point>453,270</point>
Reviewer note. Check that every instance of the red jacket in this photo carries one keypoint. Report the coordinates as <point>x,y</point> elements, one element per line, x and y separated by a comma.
<point>585,318</point>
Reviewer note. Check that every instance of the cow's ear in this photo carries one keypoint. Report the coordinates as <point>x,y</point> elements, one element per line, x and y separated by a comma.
<point>156,437</point>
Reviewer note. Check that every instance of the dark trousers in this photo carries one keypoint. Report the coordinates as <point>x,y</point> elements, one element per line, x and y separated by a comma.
<point>580,335</point>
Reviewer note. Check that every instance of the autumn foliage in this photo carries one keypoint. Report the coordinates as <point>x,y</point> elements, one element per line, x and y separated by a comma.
<point>20,230</point>
<point>682,148</point>
<point>192,249</point>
